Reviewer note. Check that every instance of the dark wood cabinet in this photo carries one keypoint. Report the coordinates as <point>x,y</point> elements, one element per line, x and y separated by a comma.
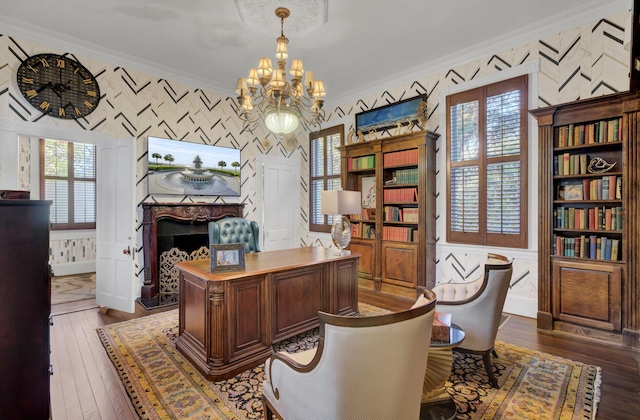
<point>25,290</point>
<point>396,231</point>
<point>589,235</point>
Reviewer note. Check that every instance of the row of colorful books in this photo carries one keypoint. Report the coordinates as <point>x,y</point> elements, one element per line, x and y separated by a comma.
<point>568,164</point>
<point>592,247</point>
<point>397,233</point>
<point>609,187</point>
<point>400,195</point>
<point>597,132</point>
<point>363,230</point>
<point>400,214</point>
<point>595,218</point>
<point>406,176</point>
<point>364,162</point>
<point>403,157</point>
<point>367,214</point>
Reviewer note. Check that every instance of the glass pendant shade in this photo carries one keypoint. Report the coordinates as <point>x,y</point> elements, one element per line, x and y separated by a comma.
<point>282,121</point>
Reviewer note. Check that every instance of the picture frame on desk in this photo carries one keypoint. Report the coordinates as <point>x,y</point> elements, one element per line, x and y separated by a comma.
<point>227,257</point>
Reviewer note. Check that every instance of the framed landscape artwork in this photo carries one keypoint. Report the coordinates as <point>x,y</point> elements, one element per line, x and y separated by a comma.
<point>388,116</point>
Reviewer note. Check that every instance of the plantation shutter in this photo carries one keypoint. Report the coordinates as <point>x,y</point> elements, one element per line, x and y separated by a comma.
<point>324,170</point>
<point>68,178</point>
<point>486,159</point>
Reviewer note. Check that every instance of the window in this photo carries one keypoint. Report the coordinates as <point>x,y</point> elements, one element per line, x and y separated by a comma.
<point>486,165</point>
<point>68,178</point>
<point>324,173</point>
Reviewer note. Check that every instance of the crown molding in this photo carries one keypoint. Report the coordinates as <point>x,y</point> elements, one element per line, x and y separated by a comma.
<point>527,34</point>
<point>65,43</point>
<point>589,12</point>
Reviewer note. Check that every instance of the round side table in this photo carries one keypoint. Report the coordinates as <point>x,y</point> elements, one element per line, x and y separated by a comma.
<point>436,402</point>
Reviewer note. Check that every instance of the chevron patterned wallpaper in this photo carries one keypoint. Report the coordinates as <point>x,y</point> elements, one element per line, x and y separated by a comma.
<point>578,63</point>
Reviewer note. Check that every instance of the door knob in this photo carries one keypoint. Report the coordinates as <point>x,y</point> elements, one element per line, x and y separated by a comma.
<point>127,251</point>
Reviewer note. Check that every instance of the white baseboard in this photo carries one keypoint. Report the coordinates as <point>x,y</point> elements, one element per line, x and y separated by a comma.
<point>67,269</point>
<point>521,306</point>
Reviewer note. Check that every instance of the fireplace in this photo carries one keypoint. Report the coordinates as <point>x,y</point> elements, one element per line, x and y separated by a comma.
<point>174,232</point>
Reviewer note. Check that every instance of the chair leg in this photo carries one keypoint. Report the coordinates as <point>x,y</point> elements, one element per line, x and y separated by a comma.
<point>493,351</point>
<point>268,414</point>
<point>486,357</point>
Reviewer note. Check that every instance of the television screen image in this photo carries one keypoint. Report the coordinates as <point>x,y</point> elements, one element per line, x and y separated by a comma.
<point>184,168</point>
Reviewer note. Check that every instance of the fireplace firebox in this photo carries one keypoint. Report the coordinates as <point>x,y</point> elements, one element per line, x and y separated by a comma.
<point>169,226</point>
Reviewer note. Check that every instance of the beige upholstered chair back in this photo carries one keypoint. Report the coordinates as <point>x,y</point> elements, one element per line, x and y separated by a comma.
<point>364,368</point>
<point>477,306</point>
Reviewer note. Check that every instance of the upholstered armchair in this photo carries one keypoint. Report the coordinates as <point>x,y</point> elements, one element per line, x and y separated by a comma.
<point>363,368</point>
<point>235,230</point>
<point>476,307</point>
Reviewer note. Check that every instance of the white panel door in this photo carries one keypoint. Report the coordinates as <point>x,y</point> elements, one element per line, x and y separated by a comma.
<point>116,283</point>
<point>278,186</point>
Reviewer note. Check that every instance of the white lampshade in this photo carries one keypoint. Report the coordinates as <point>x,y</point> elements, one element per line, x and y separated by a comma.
<point>253,78</point>
<point>309,78</point>
<point>318,89</point>
<point>341,202</point>
<point>296,68</point>
<point>282,121</point>
<point>264,68</point>
<point>281,50</point>
<point>241,87</point>
<point>277,81</point>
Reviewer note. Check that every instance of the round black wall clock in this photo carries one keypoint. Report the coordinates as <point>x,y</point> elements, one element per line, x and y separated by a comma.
<point>58,86</point>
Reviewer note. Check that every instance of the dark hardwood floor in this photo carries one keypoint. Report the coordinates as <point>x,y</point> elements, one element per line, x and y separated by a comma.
<point>85,384</point>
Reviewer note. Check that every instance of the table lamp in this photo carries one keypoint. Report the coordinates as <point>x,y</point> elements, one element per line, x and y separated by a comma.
<point>339,203</point>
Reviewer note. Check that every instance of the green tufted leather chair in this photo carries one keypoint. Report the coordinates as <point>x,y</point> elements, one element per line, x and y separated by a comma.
<point>235,230</point>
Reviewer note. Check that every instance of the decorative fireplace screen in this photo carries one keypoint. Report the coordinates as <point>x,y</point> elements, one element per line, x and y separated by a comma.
<point>169,274</point>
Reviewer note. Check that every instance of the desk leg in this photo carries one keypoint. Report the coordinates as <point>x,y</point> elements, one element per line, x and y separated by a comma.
<point>436,402</point>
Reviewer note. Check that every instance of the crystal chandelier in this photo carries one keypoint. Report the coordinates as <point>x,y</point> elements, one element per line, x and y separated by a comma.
<point>267,94</point>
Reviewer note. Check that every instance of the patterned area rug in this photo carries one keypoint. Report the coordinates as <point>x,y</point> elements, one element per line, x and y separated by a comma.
<point>162,384</point>
<point>73,288</point>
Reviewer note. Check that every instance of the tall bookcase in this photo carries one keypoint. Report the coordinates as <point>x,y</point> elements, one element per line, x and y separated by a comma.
<point>396,231</point>
<point>589,237</point>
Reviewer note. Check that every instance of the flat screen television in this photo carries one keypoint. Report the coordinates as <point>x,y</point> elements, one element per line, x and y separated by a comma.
<point>184,168</point>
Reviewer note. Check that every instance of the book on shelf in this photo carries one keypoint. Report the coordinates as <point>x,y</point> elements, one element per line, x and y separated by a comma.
<point>589,247</point>
<point>368,231</point>
<point>614,249</point>
<point>401,195</point>
<point>607,248</point>
<point>604,131</point>
<point>367,214</point>
<point>406,176</point>
<point>397,233</point>
<point>363,162</point>
<point>403,157</point>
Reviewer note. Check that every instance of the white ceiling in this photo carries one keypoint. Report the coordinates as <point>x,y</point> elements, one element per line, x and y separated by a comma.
<point>364,43</point>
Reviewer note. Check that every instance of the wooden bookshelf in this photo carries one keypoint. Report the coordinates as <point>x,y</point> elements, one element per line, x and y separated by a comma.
<point>589,238</point>
<point>396,232</point>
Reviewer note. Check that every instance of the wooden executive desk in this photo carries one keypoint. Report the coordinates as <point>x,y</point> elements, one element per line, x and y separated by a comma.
<point>228,321</point>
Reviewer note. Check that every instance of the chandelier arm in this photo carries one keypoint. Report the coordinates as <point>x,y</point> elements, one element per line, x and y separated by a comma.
<point>283,103</point>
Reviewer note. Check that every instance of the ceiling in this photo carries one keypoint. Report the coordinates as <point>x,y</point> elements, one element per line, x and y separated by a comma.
<point>364,43</point>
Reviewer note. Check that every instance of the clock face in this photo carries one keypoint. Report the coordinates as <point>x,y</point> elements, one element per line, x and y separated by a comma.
<point>58,86</point>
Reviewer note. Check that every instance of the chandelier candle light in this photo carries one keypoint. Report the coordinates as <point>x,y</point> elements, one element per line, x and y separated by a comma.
<point>339,203</point>
<point>267,94</point>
